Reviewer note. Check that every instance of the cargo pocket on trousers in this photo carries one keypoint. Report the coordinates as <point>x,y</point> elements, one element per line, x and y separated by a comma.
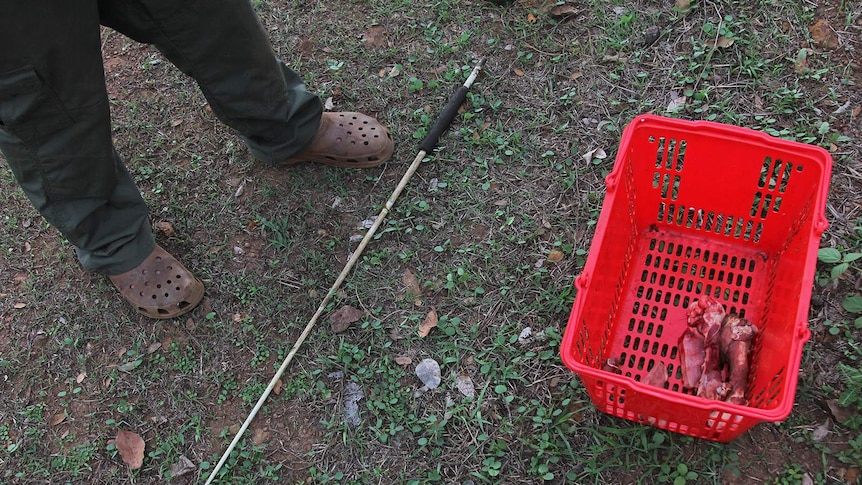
<point>29,109</point>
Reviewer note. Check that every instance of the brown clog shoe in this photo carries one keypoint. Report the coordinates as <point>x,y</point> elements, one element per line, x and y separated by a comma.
<point>160,287</point>
<point>346,139</point>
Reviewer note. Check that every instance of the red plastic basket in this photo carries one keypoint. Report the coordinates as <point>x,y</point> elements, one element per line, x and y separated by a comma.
<point>695,209</point>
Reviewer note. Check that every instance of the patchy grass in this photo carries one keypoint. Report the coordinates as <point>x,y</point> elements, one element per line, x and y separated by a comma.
<point>494,227</point>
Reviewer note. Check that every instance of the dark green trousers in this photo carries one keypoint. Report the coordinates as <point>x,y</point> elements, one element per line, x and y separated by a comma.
<point>55,128</point>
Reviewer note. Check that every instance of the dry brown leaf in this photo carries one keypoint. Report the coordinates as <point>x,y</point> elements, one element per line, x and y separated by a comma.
<point>306,47</point>
<point>429,323</point>
<point>851,475</point>
<point>800,65</point>
<point>857,111</point>
<point>154,347</point>
<point>81,377</point>
<point>182,467</point>
<point>403,360</point>
<point>518,72</point>
<point>575,75</point>
<point>555,255</point>
<point>823,34</point>
<point>20,278</point>
<point>724,42</point>
<point>57,419</point>
<point>531,18</point>
<point>682,6</point>
<point>19,305</point>
<point>821,432</point>
<point>131,447</point>
<point>411,282</point>
<point>564,10</point>
<point>176,123</point>
<point>277,387</point>
<point>165,228</point>
<point>839,412</point>
<point>374,36</point>
<point>341,319</point>
<point>260,436</point>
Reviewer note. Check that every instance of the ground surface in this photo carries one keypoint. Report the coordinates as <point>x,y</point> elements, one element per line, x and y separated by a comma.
<point>488,237</point>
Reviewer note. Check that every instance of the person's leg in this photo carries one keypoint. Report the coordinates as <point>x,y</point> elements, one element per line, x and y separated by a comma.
<point>55,132</point>
<point>223,47</point>
<point>221,44</point>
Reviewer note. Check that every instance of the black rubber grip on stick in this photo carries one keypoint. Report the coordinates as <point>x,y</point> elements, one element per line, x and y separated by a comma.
<point>444,120</point>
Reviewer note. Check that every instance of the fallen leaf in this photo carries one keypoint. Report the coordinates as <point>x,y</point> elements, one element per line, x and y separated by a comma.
<point>758,102</point>
<point>165,228</point>
<point>564,10</point>
<point>724,42</point>
<point>851,475</point>
<point>130,366</point>
<point>821,432</point>
<point>531,19</point>
<point>57,419</point>
<point>806,479</point>
<point>839,412</point>
<point>526,336</point>
<point>352,394</point>
<point>651,35</point>
<point>259,436</point>
<point>555,255</point>
<point>182,467</point>
<point>676,103</point>
<point>518,72</point>
<point>465,385</point>
<point>19,305</point>
<point>428,372</point>
<point>403,360</point>
<point>575,75</point>
<point>596,153</point>
<point>682,6</point>
<point>411,282</point>
<point>341,320</point>
<point>306,47</point>
<point>328,104</point>
<point>131,447</point>
<point>800,65</point>
<point>154,347</point>
<point>277,387</point>
<point>823,34</point>
<point>20,278</point>
<point>857,111</point>
<point>176,123</point>
<point>374,36</point>
<point>429,323</point>
<point>81,377</point>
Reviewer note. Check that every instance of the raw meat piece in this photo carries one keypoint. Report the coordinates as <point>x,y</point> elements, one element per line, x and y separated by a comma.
<point>715,350</point>
<point>736,339</point>
<point>691,356</point>
<point>705,314</point>
<point>712,385</point>
<point>704,319</point>
<point>657,376</point>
